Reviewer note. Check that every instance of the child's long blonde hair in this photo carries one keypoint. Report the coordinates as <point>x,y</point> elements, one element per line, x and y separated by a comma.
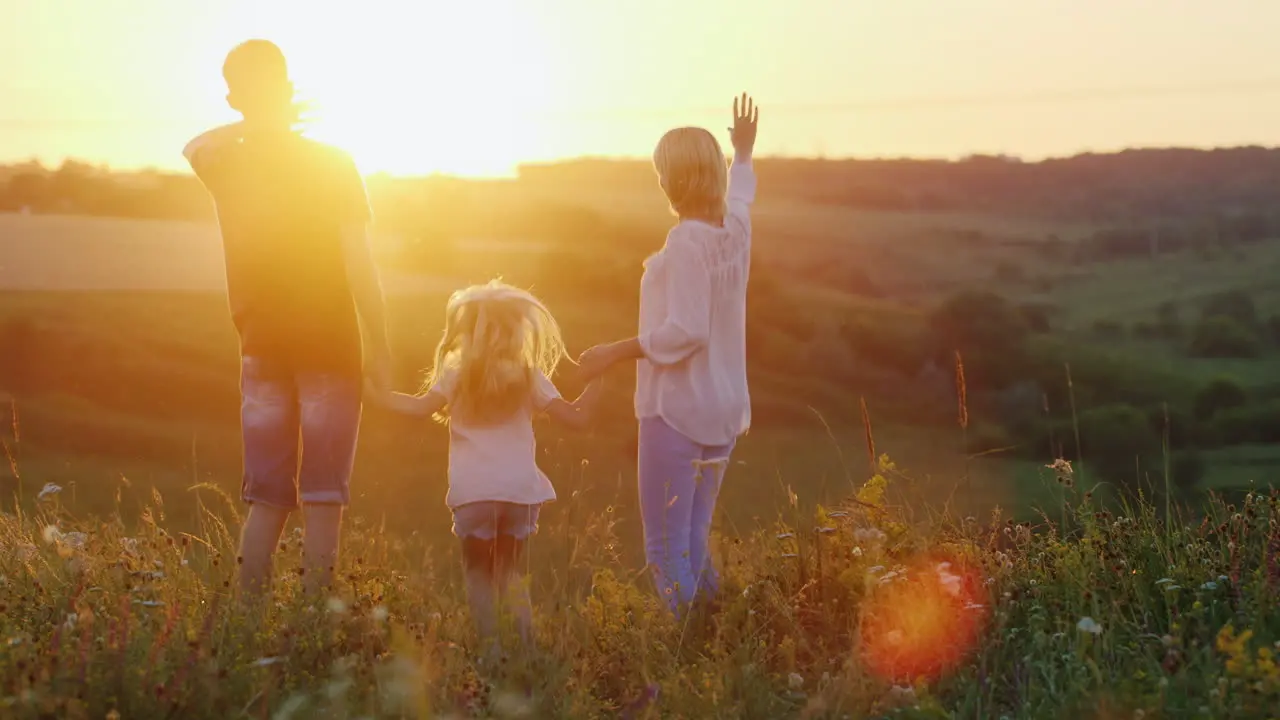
<point>693,173</point>
<point>496,337</point>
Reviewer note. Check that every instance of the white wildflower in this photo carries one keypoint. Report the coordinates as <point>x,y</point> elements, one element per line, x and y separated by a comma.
<point>869,536</point>
<point>949,580</point>
<point>336,606</point>
<point>49,490</point>
<point>72,620</point>
<point>856,551</point>
<point>795,681</point>
<point>290,707</point>
<point>51,534</point>
<point>1089,625</point>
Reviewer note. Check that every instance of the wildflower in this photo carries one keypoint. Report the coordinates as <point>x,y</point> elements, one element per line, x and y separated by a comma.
<point>51,534</point>
<point>1063,472</point>
<point>795,681</point>
<point>75,540</point>
<point>380,614</point>
<point>856,551</point>
<point>129,545</point>
<point>949,580</point>
<point>72,620</point>
<point>49,490</point>
<point>512,705</point>
<point>869,536</point>
<point>336,606</point>
<point>1089,625</point>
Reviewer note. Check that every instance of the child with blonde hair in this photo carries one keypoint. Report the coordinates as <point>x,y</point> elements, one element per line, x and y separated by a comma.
<point>491,375</point>
<point>691,397</point>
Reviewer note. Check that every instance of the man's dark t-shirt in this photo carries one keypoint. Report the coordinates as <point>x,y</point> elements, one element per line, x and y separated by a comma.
<point>282,203</point>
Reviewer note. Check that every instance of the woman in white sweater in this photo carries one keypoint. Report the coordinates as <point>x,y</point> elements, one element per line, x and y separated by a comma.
<point>691,374</point>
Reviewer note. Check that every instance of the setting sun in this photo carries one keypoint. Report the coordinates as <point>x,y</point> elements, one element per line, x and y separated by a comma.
<point>405,92</point>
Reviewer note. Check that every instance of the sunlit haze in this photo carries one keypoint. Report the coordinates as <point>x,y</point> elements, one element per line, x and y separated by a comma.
<point>476,87</point>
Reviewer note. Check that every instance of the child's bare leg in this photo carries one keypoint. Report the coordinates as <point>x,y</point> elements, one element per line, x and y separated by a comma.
<point>482,591</point>
<point>513,584</point>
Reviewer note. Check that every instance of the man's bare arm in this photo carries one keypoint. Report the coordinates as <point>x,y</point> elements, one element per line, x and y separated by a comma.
<point>366,290</point>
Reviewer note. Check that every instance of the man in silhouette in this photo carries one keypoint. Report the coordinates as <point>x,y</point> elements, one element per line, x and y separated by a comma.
<point>303,290</point>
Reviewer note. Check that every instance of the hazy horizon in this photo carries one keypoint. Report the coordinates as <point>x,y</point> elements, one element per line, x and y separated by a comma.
<point>477,89</point>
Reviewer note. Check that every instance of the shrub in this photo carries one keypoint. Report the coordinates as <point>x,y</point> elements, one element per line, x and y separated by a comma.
<point>1249,424</point>
<point>1187,470</point>
<point>1235,304</point>
<point>1220,336</point>
<point>1221,394</point>
<point>1114,436</point>
<point>1108,329</point>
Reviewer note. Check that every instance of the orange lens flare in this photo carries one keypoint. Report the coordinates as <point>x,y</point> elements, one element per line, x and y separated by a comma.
<point>921,622</point>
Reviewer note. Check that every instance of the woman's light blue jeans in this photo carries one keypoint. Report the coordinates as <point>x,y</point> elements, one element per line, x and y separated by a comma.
<point>679,483</point>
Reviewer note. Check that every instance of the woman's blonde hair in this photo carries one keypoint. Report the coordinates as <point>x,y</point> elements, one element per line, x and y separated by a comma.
<point>496,338</point>
<point>693,172</point>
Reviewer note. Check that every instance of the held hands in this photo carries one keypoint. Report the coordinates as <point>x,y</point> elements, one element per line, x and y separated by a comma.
<point>593,362</point>
<point>743,133</point>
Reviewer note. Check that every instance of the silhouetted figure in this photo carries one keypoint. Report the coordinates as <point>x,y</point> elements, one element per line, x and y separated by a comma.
<point>302,287</point>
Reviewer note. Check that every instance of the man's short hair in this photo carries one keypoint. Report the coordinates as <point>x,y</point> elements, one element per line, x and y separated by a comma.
<point>255,62</point>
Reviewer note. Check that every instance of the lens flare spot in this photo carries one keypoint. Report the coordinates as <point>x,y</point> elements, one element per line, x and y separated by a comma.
<point>923,622</point>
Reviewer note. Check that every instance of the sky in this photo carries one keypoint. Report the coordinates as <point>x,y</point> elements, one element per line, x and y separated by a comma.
<point>475,87</point>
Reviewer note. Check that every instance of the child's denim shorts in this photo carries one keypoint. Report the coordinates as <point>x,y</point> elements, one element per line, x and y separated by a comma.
<point>488,520</point>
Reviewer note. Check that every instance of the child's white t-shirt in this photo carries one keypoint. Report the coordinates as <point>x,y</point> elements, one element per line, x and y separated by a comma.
<point>497,462</point>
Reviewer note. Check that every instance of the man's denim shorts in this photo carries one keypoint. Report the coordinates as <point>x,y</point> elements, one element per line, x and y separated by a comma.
<point>488,520</point>
<point>300,430</point>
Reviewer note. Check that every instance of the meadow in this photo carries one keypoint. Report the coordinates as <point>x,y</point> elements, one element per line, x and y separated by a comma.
<point>1077,521</point>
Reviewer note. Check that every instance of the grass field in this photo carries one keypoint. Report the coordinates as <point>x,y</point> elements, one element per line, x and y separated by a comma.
<point>847,612</point>
<point>115,590</point>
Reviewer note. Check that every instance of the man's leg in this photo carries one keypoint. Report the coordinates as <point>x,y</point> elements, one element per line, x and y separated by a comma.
<point>258,540</point>
<point>330,414</point>
<point>269,422</point>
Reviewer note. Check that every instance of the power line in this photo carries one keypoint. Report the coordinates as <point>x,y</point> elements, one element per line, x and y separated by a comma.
<point>1262,86</point>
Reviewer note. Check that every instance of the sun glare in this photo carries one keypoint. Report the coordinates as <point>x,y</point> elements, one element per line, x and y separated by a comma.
<point>411,88</point>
